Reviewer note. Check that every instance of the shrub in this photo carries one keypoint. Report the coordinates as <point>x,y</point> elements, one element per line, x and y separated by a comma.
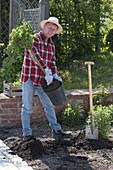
<point>103,117</point>
<point>72,115</point>
<point>20,38</point>
<point>100,96</point>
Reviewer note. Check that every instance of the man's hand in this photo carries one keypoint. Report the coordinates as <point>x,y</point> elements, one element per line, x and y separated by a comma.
<point>55,76</point>
<point>48,71</point>
<point>48,76</point>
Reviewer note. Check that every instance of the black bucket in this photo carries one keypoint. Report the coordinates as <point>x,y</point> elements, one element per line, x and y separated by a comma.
<point>55,92</point>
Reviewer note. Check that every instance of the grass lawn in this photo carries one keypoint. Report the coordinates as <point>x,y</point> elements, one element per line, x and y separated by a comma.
<point>76,75</point>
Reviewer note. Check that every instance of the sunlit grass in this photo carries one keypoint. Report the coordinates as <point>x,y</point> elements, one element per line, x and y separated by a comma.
<point>102,73</point>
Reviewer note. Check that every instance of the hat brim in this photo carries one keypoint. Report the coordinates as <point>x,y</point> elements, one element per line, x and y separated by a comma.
<point>60,29</point>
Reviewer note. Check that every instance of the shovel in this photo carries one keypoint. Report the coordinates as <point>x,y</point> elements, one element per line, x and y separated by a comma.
<point>91,131</point>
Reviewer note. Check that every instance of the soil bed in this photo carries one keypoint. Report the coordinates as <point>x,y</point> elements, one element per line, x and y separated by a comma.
<point>47,153</point>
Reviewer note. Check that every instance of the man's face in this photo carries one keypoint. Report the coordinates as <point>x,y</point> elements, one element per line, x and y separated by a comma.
<point>50,29</point>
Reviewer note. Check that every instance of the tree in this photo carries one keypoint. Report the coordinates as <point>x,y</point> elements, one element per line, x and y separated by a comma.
<point>84,23</point>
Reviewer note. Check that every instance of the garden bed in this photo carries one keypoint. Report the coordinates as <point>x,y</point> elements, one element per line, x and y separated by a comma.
<point>46,153</point>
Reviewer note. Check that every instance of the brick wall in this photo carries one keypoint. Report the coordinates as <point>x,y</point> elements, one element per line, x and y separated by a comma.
<point>10,111</point>
<point>10,108</point>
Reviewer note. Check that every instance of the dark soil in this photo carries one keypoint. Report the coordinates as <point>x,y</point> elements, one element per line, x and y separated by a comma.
<point>47,153</point>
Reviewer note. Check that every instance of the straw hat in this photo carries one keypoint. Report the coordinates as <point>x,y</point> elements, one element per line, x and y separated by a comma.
<point>53,20</point>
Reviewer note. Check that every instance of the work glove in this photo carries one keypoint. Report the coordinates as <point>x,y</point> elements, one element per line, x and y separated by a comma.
<point>48,76</point>
<point>55,76</point>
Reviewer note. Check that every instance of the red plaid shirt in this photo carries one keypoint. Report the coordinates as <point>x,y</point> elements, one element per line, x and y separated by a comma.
<point>45,52</point>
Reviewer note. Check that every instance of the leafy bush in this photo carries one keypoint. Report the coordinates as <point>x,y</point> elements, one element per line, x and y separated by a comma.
<point>111,113</point>
<point>20,38</point>
<point>103,118</point>
<point>100,96</point>
<point>72,115</point>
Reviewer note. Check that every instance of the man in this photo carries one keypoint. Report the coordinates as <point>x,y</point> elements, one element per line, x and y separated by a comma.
<point>33,78</point>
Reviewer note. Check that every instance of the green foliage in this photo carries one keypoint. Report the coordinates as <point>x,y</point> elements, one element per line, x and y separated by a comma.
<point>111,113</point>
<point>85,23</point>
<point>100,96</point>
<point>72,115</point>
<point>75,76</point>
<point>2,53</point>
<point>109,40</point>
<point>17,83</point>
<point>103,119</point>
<point>17,80</point>
<point>11,67</point>
<point>21,37</point>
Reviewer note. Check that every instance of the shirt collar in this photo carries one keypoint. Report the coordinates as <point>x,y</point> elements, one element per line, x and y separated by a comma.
<point>43,36</point>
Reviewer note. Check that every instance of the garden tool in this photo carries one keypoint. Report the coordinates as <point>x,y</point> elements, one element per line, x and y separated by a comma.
<point>91,131</point>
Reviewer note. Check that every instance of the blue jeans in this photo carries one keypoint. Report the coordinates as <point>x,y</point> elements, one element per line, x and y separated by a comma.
<point>28,90</point>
